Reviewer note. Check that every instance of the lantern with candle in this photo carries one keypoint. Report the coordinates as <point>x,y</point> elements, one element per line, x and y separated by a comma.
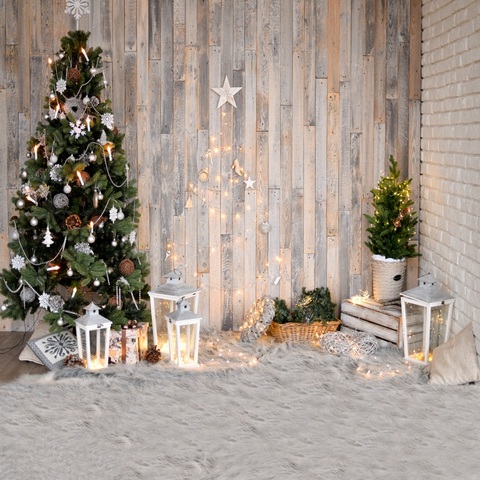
<point>93,348</point>
<point>426,319</point>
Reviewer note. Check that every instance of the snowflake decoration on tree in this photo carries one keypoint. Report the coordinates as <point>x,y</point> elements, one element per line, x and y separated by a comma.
<point>113,214</point>
<point>44,300</point>
<point>60,87</point>
<point>78,129</point>
<point>56,303</point>
<point>107,120</point>
<point>43,190</point>
<point>77,8</point>
<point>83,247</point>
<point>18,262</point>
<point>133,237</point>
<point>55,173</point>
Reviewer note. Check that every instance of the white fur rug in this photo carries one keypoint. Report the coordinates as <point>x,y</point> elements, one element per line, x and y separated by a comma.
<point>252,411</point>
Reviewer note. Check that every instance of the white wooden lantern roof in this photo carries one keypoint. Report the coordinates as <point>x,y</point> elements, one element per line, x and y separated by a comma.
<point>92,319</point>
<point>428,291</point>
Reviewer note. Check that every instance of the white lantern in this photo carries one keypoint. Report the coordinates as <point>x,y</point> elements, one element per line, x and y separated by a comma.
<point>426,319</point>
<point>93,322</point>
<point>173,290</point>
<point>186,344</point>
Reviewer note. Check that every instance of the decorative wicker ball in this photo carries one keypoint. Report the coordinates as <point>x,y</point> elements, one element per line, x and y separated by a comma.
<point>73,221</point>
<point>126,267</point>
<point>60,200</point>
<point>27,295</point>
<point>85,177</point>
<point>73,74</point>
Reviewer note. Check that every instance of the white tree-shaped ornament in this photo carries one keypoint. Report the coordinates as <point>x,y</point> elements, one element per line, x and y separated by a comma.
<point>48,238</point>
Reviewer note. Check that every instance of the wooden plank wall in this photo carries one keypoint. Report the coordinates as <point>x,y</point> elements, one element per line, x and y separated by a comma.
<point>329,89</point>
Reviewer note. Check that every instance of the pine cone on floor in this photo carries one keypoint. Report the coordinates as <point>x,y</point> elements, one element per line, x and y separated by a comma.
<point>153,355</point>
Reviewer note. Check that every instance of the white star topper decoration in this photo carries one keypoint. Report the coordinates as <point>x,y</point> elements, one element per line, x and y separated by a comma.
<point>226,93</point>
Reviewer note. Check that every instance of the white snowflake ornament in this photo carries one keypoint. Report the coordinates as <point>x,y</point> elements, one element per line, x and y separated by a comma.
<point>55,173</point>
<point>18,262</point>
<point>78,129</point>
<point>83,247</point>
<point>113,214</point>
<point>107,120</point>
<point>44,300</point>
<point>132,237</point>
<point>77,8</point>
<point>60,87</point>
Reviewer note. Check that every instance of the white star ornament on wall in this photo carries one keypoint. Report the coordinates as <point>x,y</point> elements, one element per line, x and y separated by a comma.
<point>226,93</point>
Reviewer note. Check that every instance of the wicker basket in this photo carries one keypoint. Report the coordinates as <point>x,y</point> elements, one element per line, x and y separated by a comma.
<point>301,332</point>
<point>388,279</point>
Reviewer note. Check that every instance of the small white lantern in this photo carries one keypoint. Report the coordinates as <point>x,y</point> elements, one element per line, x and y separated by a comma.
<point>182,316</point>
<point>426,319</point>
<point>92,321</point>
<point>174,290</point>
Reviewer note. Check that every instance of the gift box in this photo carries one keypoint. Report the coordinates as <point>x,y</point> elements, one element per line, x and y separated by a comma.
<point>129,345</point>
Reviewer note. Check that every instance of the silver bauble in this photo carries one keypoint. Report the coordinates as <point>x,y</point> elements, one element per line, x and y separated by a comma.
<point>96,282</point>
<point>60,322</point>
<point>91,238</point>
<point>24,174</point>
<point>70,272</point>
<point>15,235</point>
<point>60,200</point>
<point>27,295</point>
<point>114,243</point>
<point>20,203</point>
<point>33,222</point>
<point>53,159</point>
<point>67,188</point>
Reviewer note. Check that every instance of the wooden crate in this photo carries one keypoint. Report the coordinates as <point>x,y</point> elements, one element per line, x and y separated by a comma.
<point>385,322</point>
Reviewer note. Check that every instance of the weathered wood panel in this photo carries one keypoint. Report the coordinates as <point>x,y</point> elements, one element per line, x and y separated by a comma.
<point>329,88</point>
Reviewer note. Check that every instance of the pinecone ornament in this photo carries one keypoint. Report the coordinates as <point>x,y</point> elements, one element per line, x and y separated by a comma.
<point>74,361</point>
<point>73,74</point>
<point>73,221</point>
<point>153,355</point>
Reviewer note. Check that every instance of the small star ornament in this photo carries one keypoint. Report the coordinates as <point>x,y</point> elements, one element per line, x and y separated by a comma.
<point>249,183</point>
<point>226,93</point>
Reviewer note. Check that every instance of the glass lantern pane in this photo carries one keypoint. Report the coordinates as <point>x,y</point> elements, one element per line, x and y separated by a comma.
<point>438,326</point>
<point>98,352</point>
<point>415,332</point>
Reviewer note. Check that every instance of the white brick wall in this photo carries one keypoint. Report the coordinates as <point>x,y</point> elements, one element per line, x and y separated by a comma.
<point>450,181</point>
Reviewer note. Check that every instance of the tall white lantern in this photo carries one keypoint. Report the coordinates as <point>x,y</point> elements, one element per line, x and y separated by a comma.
<point>96,348</point>
<point>426,319</point>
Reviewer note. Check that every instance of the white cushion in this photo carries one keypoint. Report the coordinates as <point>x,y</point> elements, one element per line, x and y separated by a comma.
<point>455,362</point>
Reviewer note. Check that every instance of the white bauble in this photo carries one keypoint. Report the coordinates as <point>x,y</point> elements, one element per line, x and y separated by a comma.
<point>67,188</point>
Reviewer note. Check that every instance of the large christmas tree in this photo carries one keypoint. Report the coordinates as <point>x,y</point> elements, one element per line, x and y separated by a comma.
<point>74,233</point>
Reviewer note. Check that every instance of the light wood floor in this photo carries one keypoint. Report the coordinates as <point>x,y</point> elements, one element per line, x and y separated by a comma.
<point>11,344</point>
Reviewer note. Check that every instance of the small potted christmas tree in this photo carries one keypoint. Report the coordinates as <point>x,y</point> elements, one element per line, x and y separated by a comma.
<point>390,230</point>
